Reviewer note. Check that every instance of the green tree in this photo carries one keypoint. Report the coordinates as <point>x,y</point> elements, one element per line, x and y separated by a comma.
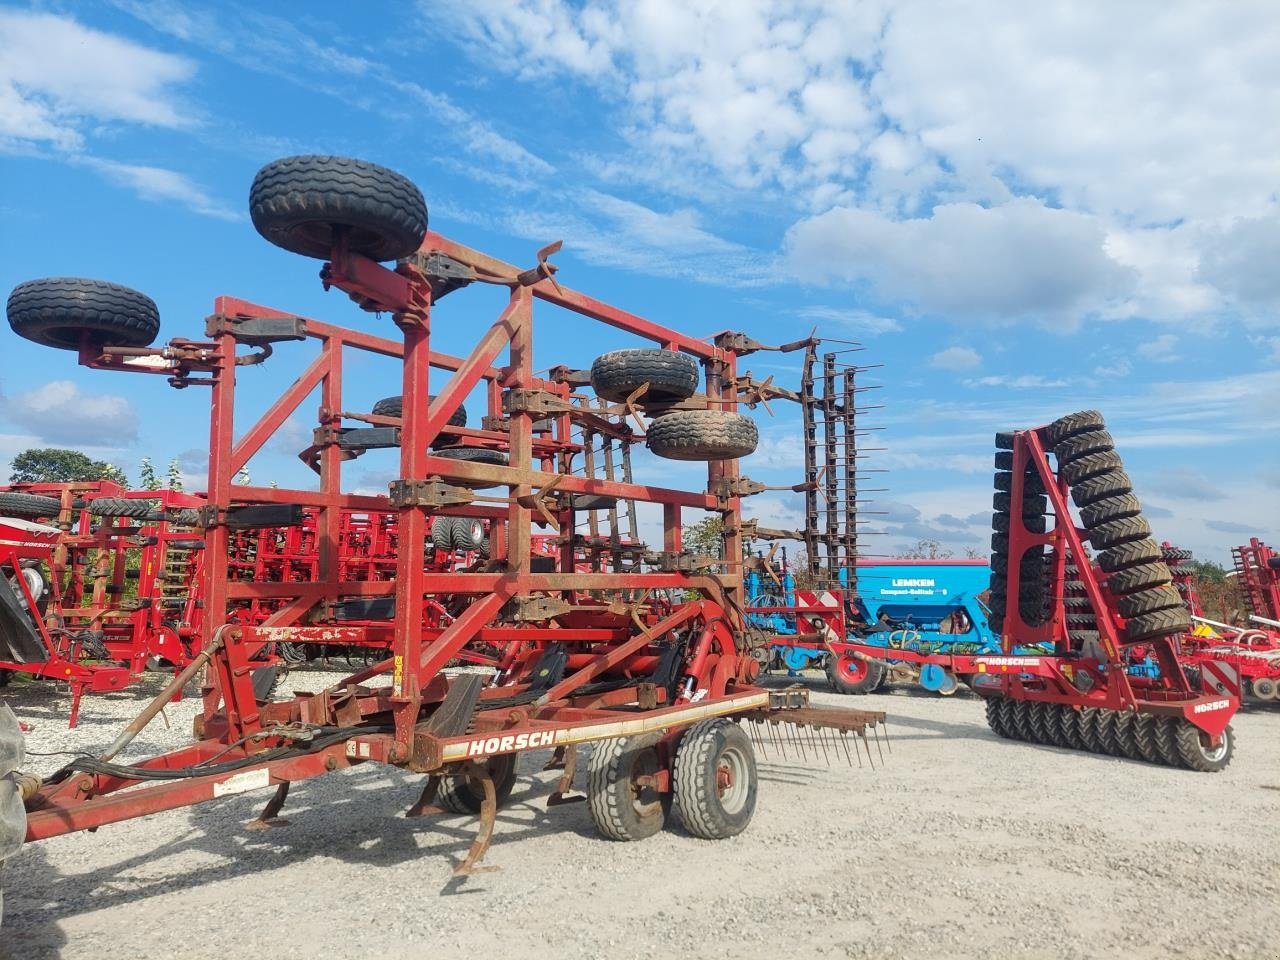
<point>147,479</point>
<point>56,465</point>
<point>174,477</point>
<point>704,537</point>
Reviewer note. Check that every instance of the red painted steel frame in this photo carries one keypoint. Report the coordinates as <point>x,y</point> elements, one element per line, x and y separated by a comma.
<point>716,675</point>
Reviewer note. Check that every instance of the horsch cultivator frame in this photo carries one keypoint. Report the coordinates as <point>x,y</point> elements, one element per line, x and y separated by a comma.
<point>658,683</point>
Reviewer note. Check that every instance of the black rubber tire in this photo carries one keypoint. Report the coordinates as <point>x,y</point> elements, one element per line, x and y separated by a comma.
<point>1113,483</point>
<point>28,505</point>
<point>1112,508</point>
<point>1142,577</point>
<point>474,455</point>
<point>1032,485</point>
<point>1087,726</point>
<point>619,809</point>
<point>1000,523</point>
<point>442,533</point>
<point>1077,603</point>
<point>702,808</point>
<point>1105,731</point>
<point>671,376</point>
<point>1033,505</point>
<point>1165,731</point>
<point>468,533</point>
<point>1273,563</point>
<point>1195,755</point>
<point>1004,440</point>
<point>1093,465</point>
<point>1129,555</point>
<point>1004,460</point>
<point>1083,445</point>
<point>1144,737</point>
<point>1036,722</point>
<point>702,435</point>
<point>120,507</point>
<point>1126,735</point>
<point>1161,623</point>
<point>1139,604</point>
<point>465,795</point>
<point>394,407</point>
<point>1071,425</point>
<point>297,202</point>
<point>995,716</point>
<point>62,311</point>
<point>1084,639</point>
<point>1022,720</point>
<point>1082,621</point>
<point>1069,722</point>
<point>869,683</point>
<point>1117,532</point>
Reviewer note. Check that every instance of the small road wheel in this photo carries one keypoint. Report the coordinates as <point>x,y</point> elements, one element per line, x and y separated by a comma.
<point>394,407</point>
<point>1196,752</point>
<point>65,312</point>
<point>28,505</point>
<point>715,779</point>
<point>671,376</point>
<point>465,794</point>
<point>1264,688</point>
<point>122,507</point>
<point>702,435</point>
<point>303,204</point>
<point>849,674</point>
<point>621,807</point>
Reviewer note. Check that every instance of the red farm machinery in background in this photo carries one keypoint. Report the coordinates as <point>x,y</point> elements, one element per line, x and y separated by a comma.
<point>1102,618</point>
<point>644,653</point>
<point>103,584</point>
<point>1253,648</point>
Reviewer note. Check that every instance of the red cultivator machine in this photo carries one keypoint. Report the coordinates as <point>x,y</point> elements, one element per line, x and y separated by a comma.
<point>1103,620</point>
<point>103,585</point>
<point>1253,650</point>
<point>648,659</point>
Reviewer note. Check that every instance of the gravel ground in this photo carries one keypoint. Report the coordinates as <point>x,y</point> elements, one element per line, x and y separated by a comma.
<point>961,844</point>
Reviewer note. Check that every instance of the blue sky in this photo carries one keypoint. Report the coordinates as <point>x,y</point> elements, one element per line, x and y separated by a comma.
<point>1017,216</point>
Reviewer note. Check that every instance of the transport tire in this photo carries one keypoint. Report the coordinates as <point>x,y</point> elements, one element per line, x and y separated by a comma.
<point>62,312</point>
<point>1161,623</point>
<point>1088,729</point>
<point>1072,424</point>
<point>464,794</point>
<point>1128,555</point>
<point>1195,752</point>
<point>301,203</point>
<point>1036,722</point>
<point>1069,721</point>
<point>672,376</point>
<point>1143,602</point>
<point>1145,576</point>
<point>995,716</point>
<point>1033,505</point>
<point>1022,720</point>
<point>1264,688</point>
<point>702,435</point>
<point>620,808</point>
<point>29,506</point>
<point>850,675</point>
<point>121,507</point>
<point>1083,445</point>
<point>1109,510</point>
<point>394,407</point>
<point>1117,532</point>
<point>1105,724</point>
<point>715,779</point>
<point>1032,485</point>
<point>1114,483</point>
<point>1004,460</point>
<point>1000,522</point>
<point>1093,465</point>
<point>1125,735</point>
<point>1008,710</point>
<point>442,533</point>
<point>1004,441</point>
<point>468,533</point>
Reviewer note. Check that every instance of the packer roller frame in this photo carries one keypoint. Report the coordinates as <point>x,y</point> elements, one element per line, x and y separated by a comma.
<point>1083,696</point>
<point>668,679</point>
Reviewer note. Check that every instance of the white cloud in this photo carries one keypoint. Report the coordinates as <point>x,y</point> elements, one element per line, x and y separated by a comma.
<point>1160,348</point>
<point>1244,261</point>
<point>956,358</point>
<point>1023,382</point>
<point>56,76</point>
<point>857,321</point>
<point>158,184</point>
<point>60,412</point>
<point>898,111</point>
<point>1021,259</point>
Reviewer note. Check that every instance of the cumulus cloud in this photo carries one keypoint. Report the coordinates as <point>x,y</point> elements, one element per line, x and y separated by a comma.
<point>57,75</point>
<point>1185,484</point>
<point>1242,262</point>
<point>1021,259</point>
<point>956,358</point>
<point>60,412</point>
<point>1160,349</point>
<point>857,321</point>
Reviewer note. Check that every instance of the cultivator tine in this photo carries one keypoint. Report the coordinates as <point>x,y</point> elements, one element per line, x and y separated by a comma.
<point>561,795</point>
<point>269,817</point>
<point>556,760</point>
<point>488,817</point>
<point>875,732</point>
